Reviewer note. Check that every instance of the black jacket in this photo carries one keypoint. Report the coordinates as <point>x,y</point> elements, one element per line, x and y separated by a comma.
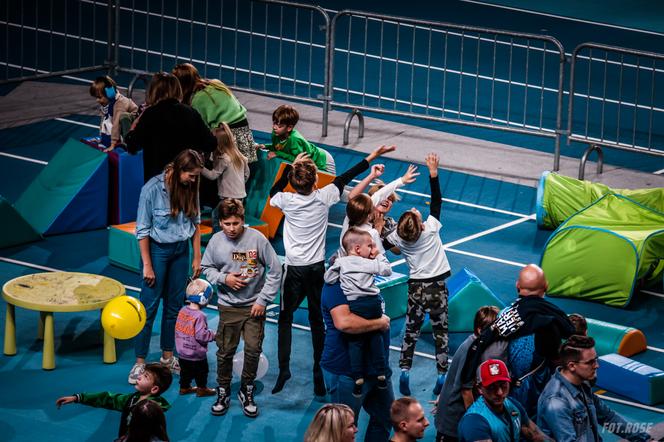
<point>164,130</point>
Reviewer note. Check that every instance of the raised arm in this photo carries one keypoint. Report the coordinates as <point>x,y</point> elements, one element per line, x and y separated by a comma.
<point>436,197</point>
<point>342,180</point>
<point>376,171</point>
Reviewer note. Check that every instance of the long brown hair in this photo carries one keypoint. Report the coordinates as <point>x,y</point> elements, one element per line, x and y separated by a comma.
<point>226,145</point>
<point>184,197</point>
<point>147,423</point>
<point>192,82</point>
<point>359,209</point>
<point>163,86</point>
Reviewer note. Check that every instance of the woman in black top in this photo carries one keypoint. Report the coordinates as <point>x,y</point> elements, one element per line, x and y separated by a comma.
<point>167,127</point>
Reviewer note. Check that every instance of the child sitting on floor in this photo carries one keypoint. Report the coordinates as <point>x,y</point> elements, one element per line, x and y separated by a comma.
<point>287,143</point>
<point>152,383</point>
<point>117,111</point>
<point>191,339</point>
<point>356,272</point>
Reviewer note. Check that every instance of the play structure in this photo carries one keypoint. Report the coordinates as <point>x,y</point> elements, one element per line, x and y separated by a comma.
<point>607,243</point>
<point>604,251</point>
<point>631,379</point>
<point>559,197</point>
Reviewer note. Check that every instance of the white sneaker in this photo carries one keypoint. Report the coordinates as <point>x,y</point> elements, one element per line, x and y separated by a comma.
<point>171,363</point>
<point>135,372</point>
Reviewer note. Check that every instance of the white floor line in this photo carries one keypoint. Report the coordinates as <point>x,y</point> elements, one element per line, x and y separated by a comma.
<point>19,157</point>
<point>657,349</point>
<point>79,123</point>
<point>488,258</point>
<point>561,17</point>
<point>648,292</point>
<point>630,403</point>
<point>659,172</point>
<point>461,203</point>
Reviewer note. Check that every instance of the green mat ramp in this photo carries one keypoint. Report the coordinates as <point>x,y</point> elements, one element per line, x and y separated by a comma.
<point>14,229</point>
<point>559,197</point>
<point>600,253</point>
<point>70,194</point>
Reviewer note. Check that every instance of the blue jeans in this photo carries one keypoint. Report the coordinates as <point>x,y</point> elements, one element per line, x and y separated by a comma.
<point>376,402</point>
<point>171,268</point>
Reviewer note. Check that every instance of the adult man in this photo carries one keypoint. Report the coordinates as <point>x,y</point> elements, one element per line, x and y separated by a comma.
<point>568,410</point>
<point>336,364</point>
<point>493,416</point>
<point>408,420</point>
<point>530,331</point>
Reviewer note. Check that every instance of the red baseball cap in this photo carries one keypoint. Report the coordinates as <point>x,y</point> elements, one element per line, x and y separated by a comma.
<point>493,370</point>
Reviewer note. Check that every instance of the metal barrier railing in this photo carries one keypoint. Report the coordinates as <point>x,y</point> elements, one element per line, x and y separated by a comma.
<point>616,99</point>
<point>269,47</point>
<point>54,38</point>
<point>466,75</point>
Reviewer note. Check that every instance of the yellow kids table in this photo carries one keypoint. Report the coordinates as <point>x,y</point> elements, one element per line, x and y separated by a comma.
<point>57,292</point>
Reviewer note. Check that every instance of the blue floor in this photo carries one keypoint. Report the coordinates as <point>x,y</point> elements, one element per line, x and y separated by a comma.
<point>30,412</point>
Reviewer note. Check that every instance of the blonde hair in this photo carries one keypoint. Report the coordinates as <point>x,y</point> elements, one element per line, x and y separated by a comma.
<point>226,145</point>
<point>192,82</point>
<point>328,424</point>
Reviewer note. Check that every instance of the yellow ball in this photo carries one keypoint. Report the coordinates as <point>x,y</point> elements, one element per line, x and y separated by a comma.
<point>123,317</point>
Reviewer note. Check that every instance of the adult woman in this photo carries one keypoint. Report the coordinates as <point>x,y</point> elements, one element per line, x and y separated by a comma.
<point>168,217</point>
<point>216,104</point>
<point>332,423</point>
<point>167,126</point>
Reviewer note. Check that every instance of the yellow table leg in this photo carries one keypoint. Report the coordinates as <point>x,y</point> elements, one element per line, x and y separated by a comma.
<point>10,331</point>
<point>109,349</point>
<point>40,326</point>
<point>48,357</point>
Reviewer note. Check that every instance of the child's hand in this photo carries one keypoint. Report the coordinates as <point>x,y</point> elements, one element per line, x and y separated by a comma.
<point>434,409</point>
<point>236,281</point>
<point>382,150</point>
<point>432,163</point>
<point>410,175</point>
<point>257,311</point>
<point>65,400</point>
<point>378,221</point>
<point>271,155</point>
<point>259,146</point>
<point>377,170</point>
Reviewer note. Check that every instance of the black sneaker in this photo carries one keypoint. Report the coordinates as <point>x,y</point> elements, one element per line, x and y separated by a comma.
<point>357,389</point>
<point>381,382</point>
<point>220,406</point>
<point>246,397</point>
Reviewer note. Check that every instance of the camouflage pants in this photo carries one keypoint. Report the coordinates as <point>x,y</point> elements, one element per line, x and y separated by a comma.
<point>426,297</point>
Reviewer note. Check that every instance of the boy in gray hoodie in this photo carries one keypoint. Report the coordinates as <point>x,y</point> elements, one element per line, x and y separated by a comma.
<point>356,273</point>
<point>247,272</point>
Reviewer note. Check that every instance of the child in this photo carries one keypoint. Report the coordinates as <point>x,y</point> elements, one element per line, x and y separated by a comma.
<point>152,383</point>
<point>361,207</point>
<point>305,226</point>
<point>148,423</point>
<point>191,338</point>
<point>356,273</point>
<point>247,272</point>
<point>422,248</point>
<point>230,169</point>
<point>455,396</point>
<point>287,143</point>
<point>113,106</point>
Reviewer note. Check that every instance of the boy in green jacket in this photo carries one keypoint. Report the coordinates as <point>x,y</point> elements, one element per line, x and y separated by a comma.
<point>154,380</point>
<point>287,143</point>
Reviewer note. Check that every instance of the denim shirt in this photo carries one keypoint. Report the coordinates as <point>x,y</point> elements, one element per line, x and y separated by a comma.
<point>562,413</point>
<point>154,218</point>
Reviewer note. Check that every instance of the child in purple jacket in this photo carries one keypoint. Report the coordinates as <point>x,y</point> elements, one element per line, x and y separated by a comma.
<point>191,339</point>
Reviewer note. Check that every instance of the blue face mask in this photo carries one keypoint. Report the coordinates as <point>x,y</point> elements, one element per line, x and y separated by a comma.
<point>110,92</point>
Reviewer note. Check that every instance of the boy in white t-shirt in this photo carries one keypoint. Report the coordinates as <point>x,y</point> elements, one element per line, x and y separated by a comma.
<point>306,216</point>
<point>422,248</point>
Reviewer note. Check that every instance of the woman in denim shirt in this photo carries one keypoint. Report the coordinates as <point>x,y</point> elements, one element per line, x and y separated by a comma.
<point>168,217</point>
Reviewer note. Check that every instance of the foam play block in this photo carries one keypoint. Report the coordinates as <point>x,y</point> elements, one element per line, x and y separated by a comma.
<point>126,181</point>
<point>614,338</point>
<point>466,294</point>
<point>123,248</point>
<point>265,173</point>
<point>14,229</point>
<point>631,379</point>
<point>70,194</point>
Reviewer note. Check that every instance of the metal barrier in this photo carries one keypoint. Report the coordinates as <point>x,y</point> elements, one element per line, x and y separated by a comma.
<point>466,75</point>
<point>53,38</point>
<point>268,47</point>
<point>618,96</point>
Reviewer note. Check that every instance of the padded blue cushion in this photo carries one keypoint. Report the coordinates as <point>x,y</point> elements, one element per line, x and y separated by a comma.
<point>630,378</point>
